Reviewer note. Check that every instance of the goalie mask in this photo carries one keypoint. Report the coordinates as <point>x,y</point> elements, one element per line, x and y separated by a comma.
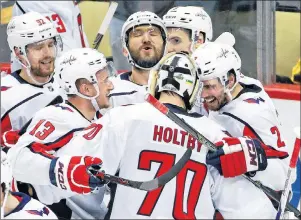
<point>191,18</point>
<point>6,178</point>
<point>176,73</point>
<point>137,19</point>
<point>81,63</point>
<point>216,60</point>
<point>31,28</point>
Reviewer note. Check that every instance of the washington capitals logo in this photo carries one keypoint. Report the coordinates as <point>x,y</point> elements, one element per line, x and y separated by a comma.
<point>255,101</point>
<point>39,212</point>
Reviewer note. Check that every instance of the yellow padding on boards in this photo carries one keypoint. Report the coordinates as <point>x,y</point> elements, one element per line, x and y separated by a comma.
<point>6,14</point>
<point>287,41</point>
<point>92,14</point>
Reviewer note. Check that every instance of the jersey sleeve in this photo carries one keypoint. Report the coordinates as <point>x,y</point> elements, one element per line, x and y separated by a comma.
<point>105,139</point>
<point>31,163</point>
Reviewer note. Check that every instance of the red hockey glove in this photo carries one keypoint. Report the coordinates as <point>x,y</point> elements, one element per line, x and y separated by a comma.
<point>9,138</point>
<point>76,174</point>
<point>237,156</point>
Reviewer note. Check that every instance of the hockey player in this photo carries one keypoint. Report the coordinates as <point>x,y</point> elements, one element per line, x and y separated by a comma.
<point>83,74</point>
<point>66,17</point>
<point>138,143</point>
<point>244,110</point>
<point>18,205</point>
<point>188,27</point>
<point>144,42</point>
<point>35,42</point>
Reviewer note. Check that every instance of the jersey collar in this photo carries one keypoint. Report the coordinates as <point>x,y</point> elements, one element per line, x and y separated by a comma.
<point>22,198</point>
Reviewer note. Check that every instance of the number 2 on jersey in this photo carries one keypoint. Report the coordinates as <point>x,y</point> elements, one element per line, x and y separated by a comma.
<point>276,131</point>
<point>166,161</point>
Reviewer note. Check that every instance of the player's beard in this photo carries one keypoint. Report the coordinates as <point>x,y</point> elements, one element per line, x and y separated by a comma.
<point>147,61</point>
<point>40,71</point>
<point>218,103</point>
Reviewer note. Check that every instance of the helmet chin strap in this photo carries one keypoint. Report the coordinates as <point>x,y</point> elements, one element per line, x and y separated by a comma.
<point>27,67</point>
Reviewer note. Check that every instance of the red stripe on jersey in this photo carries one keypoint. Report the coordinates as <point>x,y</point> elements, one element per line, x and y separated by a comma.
<point>5,124</point>
<point>80,27</point>
<point>19,198</point>
<point>59,143</point>
<point>269,151</point>
<point>39,149</point>
<point>13,186</point>
<point>4,88</point>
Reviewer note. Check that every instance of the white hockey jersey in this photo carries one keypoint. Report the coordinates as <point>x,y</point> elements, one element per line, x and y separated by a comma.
<point>252,113</point>
<point>29,208</point>
<point>125,92</point>
<point>139,143</point>
<point>53,126</point>
<point>20,102</point>
<point>200,107</point>
<point>66,17</point>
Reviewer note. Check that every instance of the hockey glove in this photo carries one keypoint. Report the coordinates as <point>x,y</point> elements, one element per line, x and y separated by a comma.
<point>76,174</point>
<point>237,156</point>
<point>9,138</point>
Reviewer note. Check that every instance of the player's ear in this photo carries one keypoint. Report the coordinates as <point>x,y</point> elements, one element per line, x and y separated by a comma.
<point>19,54</point>
<point>232,79</point>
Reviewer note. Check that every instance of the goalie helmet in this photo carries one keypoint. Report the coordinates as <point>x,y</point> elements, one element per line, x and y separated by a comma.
<point>30,28</point>
<point>6,178</point>
<point>215,60</point>
<point>137,19</point>
<point>176,73</point>
<point>192,18</point>
<point>80,63</point>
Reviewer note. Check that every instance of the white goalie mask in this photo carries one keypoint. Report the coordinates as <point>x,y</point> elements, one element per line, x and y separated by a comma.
<point>176,73</point>
<point>137,19</point>
<point>191,18</point>
<point>31,28</point>
<point>81,63</point>
<point>6,178</point>
<point>216,60</point>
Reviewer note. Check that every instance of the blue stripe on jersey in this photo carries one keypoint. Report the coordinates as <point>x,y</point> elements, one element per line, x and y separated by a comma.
<point>122,93</point>
<point>52,172</point>
<point>17,76</point>
<point>23,202</point>
<point>125,76</point>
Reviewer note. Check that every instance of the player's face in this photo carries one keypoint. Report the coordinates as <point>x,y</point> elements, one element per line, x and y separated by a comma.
<point>146,45</point>
<point>105,86</point>
<point>178,40</point>
<point>41,57</point>
<point>213,94</point>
